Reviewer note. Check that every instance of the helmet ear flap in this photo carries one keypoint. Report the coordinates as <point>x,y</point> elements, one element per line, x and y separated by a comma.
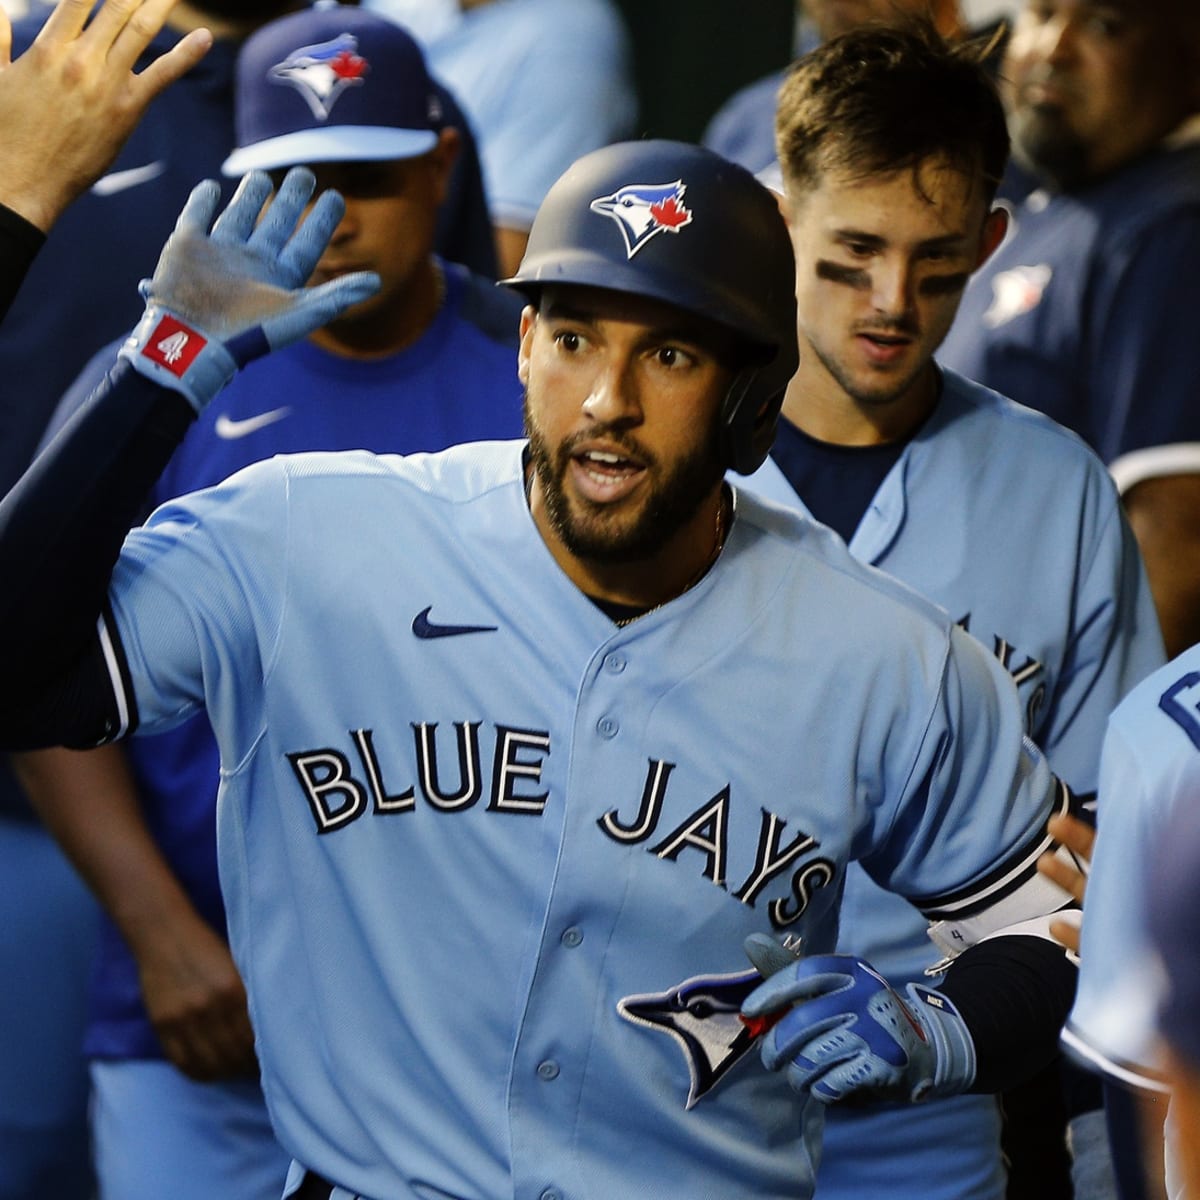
<point>749,419</point>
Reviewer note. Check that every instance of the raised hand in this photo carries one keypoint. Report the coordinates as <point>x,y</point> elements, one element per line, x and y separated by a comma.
<point>220,298</point>
<point>68,104</point>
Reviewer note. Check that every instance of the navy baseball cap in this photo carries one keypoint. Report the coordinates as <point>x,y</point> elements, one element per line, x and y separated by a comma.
<point>331,84</point>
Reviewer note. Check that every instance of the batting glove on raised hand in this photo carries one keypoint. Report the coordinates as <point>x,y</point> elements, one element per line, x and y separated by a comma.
<point>220,299</point>
<point>845,1033</point>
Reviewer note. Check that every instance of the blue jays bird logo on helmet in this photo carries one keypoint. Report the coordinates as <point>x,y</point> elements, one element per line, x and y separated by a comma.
<point>321,73</point>
<point>644,210</point>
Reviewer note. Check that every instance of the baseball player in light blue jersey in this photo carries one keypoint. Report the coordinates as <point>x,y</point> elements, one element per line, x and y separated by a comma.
<point>524,741</point>
<point>1149,772</point>
<point>1000,516</point>
<point>1173,921</point>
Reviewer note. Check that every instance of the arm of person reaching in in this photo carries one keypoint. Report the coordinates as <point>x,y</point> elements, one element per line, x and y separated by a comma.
<point>68,103</point>
<point>1069,871</point>
<point>190,986</point>
<point>220,297</point>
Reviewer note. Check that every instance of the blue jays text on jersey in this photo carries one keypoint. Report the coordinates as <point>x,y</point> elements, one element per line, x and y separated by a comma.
<point>340,791</point>
<point>657,769</point>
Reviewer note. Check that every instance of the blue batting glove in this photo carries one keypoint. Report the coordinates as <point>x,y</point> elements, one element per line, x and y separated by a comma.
<point>220,299</point>
<point>844,1032</point>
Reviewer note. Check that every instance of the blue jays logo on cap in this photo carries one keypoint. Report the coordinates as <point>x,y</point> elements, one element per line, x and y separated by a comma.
<point>321,73</point>
<point>644,210</point>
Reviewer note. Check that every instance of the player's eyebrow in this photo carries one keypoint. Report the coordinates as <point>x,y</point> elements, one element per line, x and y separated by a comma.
<point>700,335</point>
<point>875,241</point>
<point>560,310</point>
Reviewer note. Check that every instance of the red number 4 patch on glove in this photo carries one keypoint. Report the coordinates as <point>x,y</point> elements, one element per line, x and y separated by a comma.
<point>173,345</point>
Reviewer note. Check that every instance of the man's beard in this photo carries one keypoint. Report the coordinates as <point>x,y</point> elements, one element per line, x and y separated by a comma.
<point>606,537</point>
<point>1043,142</point>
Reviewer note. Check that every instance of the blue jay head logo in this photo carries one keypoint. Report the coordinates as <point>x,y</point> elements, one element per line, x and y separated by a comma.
<point>321,73</point>
<point>644,210</point>
<point>703,1016</point>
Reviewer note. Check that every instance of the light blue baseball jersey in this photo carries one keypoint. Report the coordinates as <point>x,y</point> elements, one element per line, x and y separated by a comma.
<point>489,859</point>
<point>1011,524</point>
<point>1150,765</point>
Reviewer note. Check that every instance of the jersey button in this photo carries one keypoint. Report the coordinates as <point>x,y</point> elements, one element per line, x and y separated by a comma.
<point>548,1070</point>
<point>572,937</point>
<point>551,1194</point>
<point>614,664</point>
<point>607,727</point>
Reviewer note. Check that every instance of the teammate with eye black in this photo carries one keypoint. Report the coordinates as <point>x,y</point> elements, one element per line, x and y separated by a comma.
<point>892,142</point>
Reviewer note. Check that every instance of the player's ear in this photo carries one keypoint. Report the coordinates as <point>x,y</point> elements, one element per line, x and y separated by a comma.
<point>525,351</point>
<point>994,229</point>
<point>443,157</point>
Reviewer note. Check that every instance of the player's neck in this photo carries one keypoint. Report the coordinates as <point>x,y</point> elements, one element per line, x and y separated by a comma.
<point>648,583</point>
<point>392,327</point>
<point>819,406</point>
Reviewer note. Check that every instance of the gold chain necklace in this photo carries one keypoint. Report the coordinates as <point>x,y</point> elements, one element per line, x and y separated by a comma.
<point>719,534</point>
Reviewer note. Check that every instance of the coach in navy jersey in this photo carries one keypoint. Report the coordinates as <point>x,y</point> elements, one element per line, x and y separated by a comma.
<point>66,110</point>
<point>1086,312</point>
<point>426,363</point>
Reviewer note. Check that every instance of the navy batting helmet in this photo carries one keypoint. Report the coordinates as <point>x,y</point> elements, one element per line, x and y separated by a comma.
<point>677,223</point>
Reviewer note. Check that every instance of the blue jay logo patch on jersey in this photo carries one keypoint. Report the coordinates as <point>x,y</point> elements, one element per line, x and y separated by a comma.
<point>644,210</point>
<point>703,1015</point>
<point>1016,292</point>
<point>321,73</point>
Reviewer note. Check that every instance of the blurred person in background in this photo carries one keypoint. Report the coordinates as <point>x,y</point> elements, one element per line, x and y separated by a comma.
<point>542,82</point>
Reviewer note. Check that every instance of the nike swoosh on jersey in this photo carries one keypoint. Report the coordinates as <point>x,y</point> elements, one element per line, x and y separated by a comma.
<point>226,427</point>
<point>118,181</point>
<point>423,627</point>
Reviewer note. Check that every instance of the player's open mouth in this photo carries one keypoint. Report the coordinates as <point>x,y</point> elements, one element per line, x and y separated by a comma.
<point>884,347</point>
<point>605,474</point>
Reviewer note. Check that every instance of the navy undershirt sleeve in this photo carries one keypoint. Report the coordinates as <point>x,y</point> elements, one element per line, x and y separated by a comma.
<point>1014,993</point>
<point>61,530</point>
<point>19,243</point>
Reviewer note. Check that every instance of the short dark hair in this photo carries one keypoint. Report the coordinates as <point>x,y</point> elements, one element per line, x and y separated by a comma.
<point>880,99</point>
